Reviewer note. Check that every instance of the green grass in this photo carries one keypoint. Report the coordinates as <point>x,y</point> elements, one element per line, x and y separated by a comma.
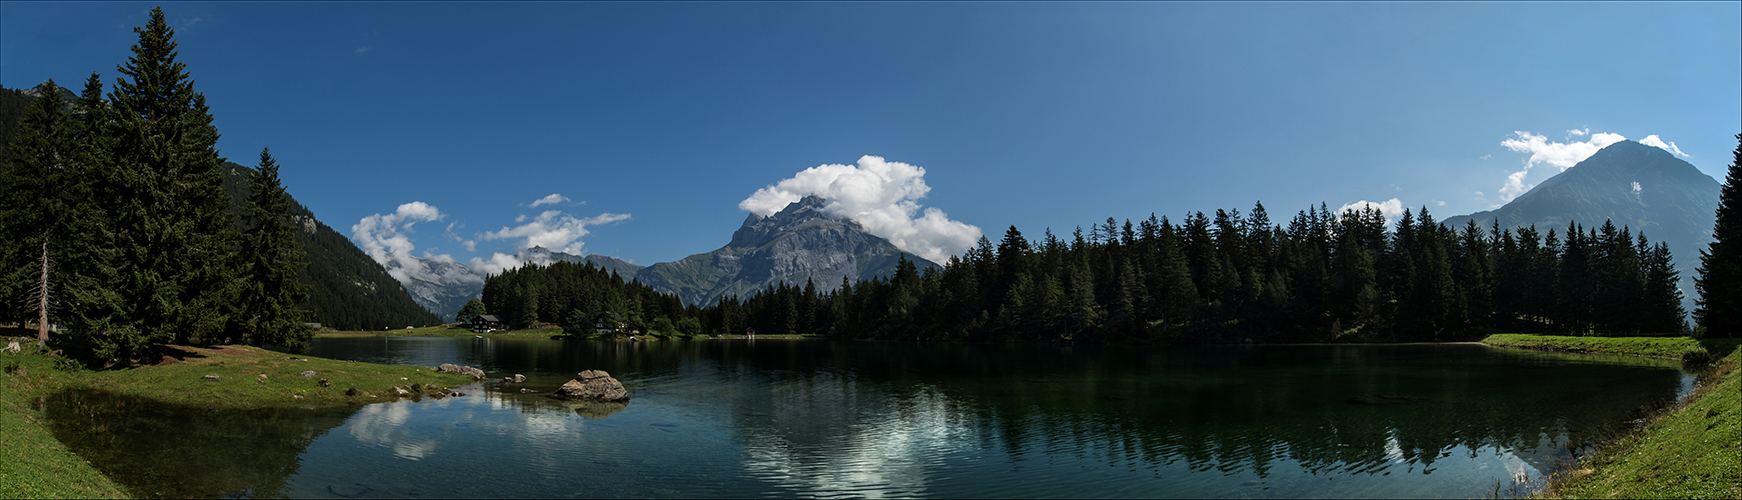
<point>1678,348</point>
<point>1694,451</point>
<point>34,464</point>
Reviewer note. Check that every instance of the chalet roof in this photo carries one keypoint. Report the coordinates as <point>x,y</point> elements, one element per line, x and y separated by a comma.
<point>489,318</point>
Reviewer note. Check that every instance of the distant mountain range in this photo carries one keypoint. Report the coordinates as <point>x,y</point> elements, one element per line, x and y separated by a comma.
<point>1638,186</point>
<point>801,242</point>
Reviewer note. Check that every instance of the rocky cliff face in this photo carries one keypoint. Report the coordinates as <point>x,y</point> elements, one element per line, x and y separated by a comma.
<point>439,286</point>
<point>800,242</point>
<point>1642,187</point>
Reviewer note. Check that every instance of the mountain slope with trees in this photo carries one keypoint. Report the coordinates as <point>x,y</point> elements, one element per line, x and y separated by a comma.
<point>1635,185</point>
<point>116,209</point>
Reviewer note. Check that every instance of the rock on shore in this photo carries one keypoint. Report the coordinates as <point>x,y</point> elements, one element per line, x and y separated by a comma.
<point>593,385</point>
<point>474,372</point>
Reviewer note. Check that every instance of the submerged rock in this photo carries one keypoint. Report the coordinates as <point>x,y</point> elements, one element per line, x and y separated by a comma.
<point>595,410</point>
<point>593,385</point>
<point>467,370</point>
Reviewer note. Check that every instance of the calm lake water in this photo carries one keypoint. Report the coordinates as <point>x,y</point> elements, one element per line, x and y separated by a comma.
<point>811,418</point>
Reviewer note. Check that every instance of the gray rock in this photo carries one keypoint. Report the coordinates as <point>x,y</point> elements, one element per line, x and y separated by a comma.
<point>210,377</point>
<point>400,391</point>
<point>326,383</point>
<point>467,370</point>
<point>595,386</point>
<point>518,378</point>
<point>309,373</point>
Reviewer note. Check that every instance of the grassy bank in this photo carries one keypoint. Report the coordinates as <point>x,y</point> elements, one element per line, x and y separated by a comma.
<point>1687,451</point>
<point>34,464</point>
<point>1678,348</point>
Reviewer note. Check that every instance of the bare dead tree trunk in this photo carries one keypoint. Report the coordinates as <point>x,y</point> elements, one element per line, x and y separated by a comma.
<point>42,297</point>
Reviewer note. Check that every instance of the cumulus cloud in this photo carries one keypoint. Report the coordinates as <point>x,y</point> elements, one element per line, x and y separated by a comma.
<point>1653,141</point>
<point>386,238</point>
<point>553,229</point>
<point>881,195</point>
<point>549,200</point>
<point>1392,208</point>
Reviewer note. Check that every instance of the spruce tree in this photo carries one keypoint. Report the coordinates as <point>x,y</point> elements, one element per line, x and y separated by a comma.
<point>271,258</point>
<point>169,241</point>
<point>1718,281</point>
<point>38,192</point>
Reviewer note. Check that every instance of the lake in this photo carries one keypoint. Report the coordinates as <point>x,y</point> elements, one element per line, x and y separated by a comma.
<point>816,418</point>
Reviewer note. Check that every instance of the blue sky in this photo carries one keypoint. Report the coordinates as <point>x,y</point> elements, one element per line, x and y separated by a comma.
<point>656,122</point>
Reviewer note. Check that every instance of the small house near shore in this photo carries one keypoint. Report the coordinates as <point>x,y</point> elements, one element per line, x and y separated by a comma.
<point>484,323</point>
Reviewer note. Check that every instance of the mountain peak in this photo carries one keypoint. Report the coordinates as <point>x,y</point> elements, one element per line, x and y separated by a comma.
<point>802,214</point>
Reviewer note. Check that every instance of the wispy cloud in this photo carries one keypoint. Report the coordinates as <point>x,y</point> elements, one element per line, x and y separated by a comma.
<point>553,199</point>
<point>1653,141</point>
<point>362,48</point>
<point>387,239</point>
<point>881,195</point>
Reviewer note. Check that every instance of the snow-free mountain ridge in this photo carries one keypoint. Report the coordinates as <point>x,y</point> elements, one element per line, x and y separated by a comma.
<point>1641,187</point>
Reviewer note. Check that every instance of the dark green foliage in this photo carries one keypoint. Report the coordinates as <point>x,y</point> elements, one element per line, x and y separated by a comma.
<point>268,308</point>
<point>473,309</point>
<point>161,269</point>
<point>574,294</point>
<point>1718,280</point>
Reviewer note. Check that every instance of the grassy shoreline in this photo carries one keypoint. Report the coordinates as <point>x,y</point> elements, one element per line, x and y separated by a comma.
<point>1687,451</point>
<point>35,464</point>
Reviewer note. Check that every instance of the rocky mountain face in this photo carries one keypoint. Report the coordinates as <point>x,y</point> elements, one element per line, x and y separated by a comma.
<point>441,287</point>
<point>1635,185</point>
<point>800,242</point>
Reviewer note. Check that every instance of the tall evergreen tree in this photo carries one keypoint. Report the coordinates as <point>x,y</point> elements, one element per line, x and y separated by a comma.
<point>40,188</point>
<point>168,243</point>
<point>268,311</point>
<point>1718,281</point>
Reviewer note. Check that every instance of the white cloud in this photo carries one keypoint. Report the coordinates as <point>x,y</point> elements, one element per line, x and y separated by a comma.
<point>1485,157</point>
<point>362,49</point>
<point>1653,141</point>
<point>497,263</point>
<point>553,229</point>
<point>1392,208</point>
<point>1636,188</point>
<point>385,238</point>
<point>881,195</point>
<point>1439,203</point>
<point>1559,154</point>
<point>550,200</point>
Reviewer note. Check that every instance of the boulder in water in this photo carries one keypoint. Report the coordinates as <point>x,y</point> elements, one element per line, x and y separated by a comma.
<point>467,370</point>
<point>593,385</point>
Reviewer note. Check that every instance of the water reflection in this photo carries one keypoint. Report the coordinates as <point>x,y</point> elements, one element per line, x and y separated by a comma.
<point>159,450</point>
<point>864,419</point>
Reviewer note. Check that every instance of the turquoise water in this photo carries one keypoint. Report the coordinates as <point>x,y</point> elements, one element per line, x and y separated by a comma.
<point>808,418</point>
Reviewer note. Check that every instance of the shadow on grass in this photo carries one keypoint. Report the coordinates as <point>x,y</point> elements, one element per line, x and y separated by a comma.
<point>1719,348</point>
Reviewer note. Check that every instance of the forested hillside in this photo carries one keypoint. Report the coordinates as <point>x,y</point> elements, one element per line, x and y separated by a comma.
<point>347,289</point>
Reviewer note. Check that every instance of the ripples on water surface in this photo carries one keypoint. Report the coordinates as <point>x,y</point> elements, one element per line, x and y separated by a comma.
<point>866,419</point>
